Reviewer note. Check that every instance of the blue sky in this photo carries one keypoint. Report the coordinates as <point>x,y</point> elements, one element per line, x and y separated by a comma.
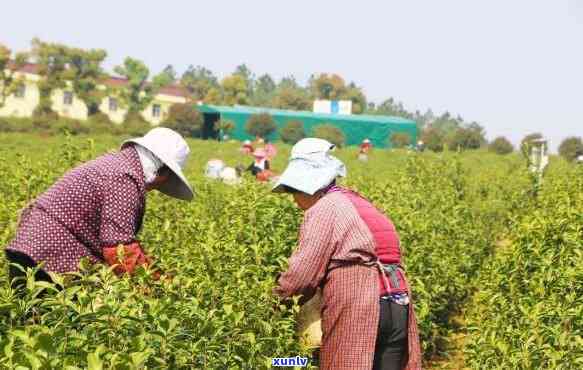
<point>515,67</point>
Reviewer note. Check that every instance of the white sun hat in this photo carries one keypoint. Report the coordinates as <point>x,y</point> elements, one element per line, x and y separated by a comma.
<point>173,151</point>
<point>310,167</point>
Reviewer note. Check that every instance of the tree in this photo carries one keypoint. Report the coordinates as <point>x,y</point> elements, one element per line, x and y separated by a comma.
<point>199,81</point>
<point>170,72</point>
<point>260,125</point>
<point>571,148</point>
<point>8,80</point>
<point>471,136</point>
<point>165,78</point>
<point>331,133</point>
<point>4,73</point>
<point>264,91</point>
<point>527,141</point>
<point>214,96</point>
<point>66,67</point>
<point>138,93</point>
<point>424,119</point>
<point>291,98</point>
<point>85,73</point>
<point>288,82</point>
<point>235,90</point>
<point>290,95</point>
<point>324,86</point>
<point>433,139</point>
<point>185,119</point>
<point>52,61</point>
<point>249,77</point>
<point>390,107</point>
<point>357,97</point>
<point>292,132</point>
<point>501,145</point>
<point>447,124</point>
<point>400,139</point>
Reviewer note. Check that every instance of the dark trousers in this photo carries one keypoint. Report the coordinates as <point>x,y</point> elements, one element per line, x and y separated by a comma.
<point>16,276</point>
<point>392,345</point>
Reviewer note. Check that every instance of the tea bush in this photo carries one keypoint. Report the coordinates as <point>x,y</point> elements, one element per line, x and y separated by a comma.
<point>529,311</point>
<point>226,248</point>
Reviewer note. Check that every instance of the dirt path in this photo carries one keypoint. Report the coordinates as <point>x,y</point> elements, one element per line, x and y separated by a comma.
<point>456,342</point>
<point>455,346</point>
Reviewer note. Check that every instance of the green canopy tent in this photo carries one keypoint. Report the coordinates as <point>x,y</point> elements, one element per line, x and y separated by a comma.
<point>355,127</point>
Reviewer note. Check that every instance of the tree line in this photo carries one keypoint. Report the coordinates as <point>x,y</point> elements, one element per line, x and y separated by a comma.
<point>81,70</point>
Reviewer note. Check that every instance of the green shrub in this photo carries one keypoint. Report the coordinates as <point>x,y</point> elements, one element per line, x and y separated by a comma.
<point>134,125</point>
<point>465,138</point>
<point>400,139</point>
<point>570,148</point>
<point>433,139</point>
<point>292,132</point>
<point>331,133</point>
<point>184,119</point>
<point>260,125</point>
<point>528,312</point>
<point>501,145</point>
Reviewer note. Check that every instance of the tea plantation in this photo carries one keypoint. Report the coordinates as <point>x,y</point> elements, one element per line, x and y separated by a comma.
<point>493,259</point>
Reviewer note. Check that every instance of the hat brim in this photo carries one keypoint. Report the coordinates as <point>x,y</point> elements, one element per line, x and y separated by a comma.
<point>177,185</point>
<point>302,177</point>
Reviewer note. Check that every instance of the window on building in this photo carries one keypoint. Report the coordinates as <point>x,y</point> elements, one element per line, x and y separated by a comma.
<point>156,110</point>
<point>20,91</point>
<point>68,98</point>
<point>112,104</point>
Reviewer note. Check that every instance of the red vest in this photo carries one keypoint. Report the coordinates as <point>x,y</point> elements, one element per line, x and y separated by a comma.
<point>387,245</point>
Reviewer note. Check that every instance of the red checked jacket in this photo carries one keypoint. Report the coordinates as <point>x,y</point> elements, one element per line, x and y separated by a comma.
<point>332,234</point>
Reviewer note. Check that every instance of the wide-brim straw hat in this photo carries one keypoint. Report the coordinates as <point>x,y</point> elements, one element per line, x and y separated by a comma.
<point>173,151</point>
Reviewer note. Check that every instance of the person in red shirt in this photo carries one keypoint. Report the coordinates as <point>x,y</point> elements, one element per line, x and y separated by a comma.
<point>247,147</point>
<point>270,150</point>
<point>365,148</point>
<point>350,251</point>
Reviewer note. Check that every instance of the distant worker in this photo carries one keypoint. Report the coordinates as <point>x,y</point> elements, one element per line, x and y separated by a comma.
<point>261,163</point>
<point>230,176</point>
<point>420,146</point>
<point>538,156</point>
<point>365,148</point>
<point>213,168</point>
<point>247,147</point>
<point>98,206</point>
<point>270,149</point>
<point>217,169</point>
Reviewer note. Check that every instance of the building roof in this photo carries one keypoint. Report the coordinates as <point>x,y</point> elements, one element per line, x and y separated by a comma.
<point>113,81</point>
<point>110,81</point>
<point>242,109</point>
<point>172,90</point>
<point>26,67</point>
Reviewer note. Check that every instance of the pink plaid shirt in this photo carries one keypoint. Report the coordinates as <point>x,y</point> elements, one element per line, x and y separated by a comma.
<point>98,204</point>
<point>333,233</point>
